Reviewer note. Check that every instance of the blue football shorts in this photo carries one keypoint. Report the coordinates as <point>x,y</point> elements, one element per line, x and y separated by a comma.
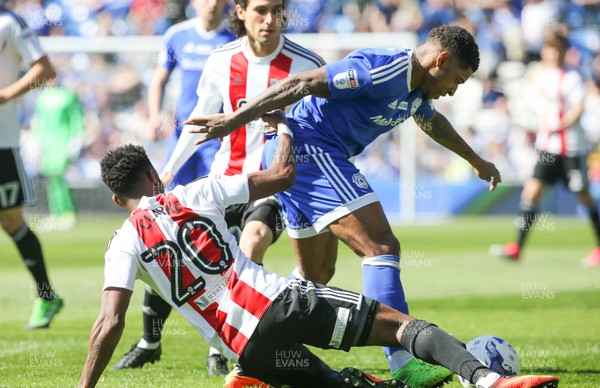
<point>328,187</point>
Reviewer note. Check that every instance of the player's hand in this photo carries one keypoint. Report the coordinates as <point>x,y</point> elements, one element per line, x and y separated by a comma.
<point>488,172</point>
<point>3,98</point>
<point>215,126</point>
<point>272,119</point>
<point>166,178</point>
<point>155,126</point>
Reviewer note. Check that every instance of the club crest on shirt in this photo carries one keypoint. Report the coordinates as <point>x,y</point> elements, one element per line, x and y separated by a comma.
<point>415,105</point>
<point>360,180</point>
<point>346,80</point>
<point>241,102</point>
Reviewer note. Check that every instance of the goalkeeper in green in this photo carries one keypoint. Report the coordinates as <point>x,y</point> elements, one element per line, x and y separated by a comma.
<point>59,128</point>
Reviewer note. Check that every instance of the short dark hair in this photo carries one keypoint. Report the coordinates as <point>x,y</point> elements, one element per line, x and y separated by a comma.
<point>236,25</point>
<point>459,42</point>
<point>123,168</point>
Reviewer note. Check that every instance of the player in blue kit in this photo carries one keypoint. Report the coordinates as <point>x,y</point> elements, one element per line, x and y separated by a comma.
<point>345,106</point>
<point>187,46</point>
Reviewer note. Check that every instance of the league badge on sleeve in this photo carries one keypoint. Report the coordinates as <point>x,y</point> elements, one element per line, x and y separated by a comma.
<point>346,80</point>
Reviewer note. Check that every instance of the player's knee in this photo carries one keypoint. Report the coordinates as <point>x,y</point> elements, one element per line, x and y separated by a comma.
<point>11,222</point>
<point>387,245</point>
<point>321,275</point>
<point>254,246</point>
<point>585,197</point>
<point>412,330</point>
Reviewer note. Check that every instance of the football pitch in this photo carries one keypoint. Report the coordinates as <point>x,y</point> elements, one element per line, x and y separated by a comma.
<point>547,306</point>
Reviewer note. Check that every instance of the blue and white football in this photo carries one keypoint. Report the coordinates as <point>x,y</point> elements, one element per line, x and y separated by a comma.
<point>494,352</point>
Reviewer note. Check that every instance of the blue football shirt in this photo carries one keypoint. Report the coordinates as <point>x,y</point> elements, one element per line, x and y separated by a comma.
<point>187,46</point>
<point>370,95</point>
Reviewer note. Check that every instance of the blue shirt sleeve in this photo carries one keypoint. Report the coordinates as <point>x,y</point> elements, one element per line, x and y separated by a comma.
<point>167,57</point>
<point>348,78</point>
<point>375,73</point>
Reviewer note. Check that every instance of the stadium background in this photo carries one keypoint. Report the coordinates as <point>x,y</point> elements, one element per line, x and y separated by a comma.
<point>106,52</point>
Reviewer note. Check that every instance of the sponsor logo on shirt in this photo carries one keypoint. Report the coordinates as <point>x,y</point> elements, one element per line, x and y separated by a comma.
<point>386,121</point>
<point>395,105</point>
<point>346,80</point>
<point>353,77</point>
<point>216,293</point>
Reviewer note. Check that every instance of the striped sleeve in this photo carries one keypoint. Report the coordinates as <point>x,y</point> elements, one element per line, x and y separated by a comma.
<point>120,263</point>
<point>26,42</point>
<point>369,73</point>
<point>304,53</point>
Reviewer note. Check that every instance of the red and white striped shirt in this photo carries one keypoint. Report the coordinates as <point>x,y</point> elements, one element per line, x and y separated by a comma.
<point>179,244</point>
<point>559,90</point>
<point>232,76</point>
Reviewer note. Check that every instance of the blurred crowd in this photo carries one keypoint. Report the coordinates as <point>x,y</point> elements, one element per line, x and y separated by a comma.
<point>492,110</point>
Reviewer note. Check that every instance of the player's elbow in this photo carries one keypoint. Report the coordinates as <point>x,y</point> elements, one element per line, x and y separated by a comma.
<point>310,82</point>
<point>46,72</point>
<point>288,177</point>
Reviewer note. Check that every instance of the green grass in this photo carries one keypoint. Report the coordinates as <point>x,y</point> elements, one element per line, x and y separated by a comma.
<point>547,306</point>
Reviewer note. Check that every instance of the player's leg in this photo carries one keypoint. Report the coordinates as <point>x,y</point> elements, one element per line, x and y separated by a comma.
<point>15,191</point>
<point>367,232</point>
<point>305,312</point>
<point>576,176</point>
<point>332,318</point>
<point>316,256</point>
<point>547,171</point>
<point>54,164</point>
<point>530,198</point>
<point>261,226</point>
<point>328,190</point>
<point>433,345</point>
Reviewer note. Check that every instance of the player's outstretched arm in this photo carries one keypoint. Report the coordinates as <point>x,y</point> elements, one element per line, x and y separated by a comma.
<point>39,74</point>
<point>156,91</point>
<point>281,174</point>
<point>284,93</point>
<point>440,130</point>
<point>105,334</point>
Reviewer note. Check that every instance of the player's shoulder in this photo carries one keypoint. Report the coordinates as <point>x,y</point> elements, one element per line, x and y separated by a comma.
<point>379,54</point>
<point>9,17</point>
<point>300,52</point>
<point>121,238</point>
<point>195,187</point>
<point>228,49</point>
<point>178,28</point>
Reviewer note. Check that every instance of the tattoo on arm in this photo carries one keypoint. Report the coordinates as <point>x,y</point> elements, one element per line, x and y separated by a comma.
<point>440,130</point>
<point>284,93</point>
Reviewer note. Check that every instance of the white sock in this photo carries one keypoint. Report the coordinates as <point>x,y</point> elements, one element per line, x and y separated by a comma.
<point>214,352</point>
<point>148,345</point>
<point>487,381</point>
<point>398,359</point>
